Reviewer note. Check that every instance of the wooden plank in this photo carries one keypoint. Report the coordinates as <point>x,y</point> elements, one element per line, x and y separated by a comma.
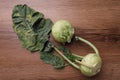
<point>95,20</point>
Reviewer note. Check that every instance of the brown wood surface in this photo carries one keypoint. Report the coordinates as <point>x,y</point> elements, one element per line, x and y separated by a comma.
<point>96,20</point>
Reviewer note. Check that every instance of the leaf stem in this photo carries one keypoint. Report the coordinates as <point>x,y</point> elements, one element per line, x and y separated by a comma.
<point>60,53</point>
<point>88,43</point>
<point>77,55</point>
<point>82,64</point>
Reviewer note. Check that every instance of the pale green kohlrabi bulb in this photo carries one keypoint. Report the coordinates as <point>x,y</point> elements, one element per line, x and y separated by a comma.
<point>62,31</point>
<point>93,64</point>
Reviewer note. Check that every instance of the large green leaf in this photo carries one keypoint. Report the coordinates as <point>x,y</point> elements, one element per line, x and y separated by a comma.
<point>43,31</point>
<point>33,32</point>
<point>31,27</point>
<point>25,14</point>
<point>48,57</point>
<point>52,59</point>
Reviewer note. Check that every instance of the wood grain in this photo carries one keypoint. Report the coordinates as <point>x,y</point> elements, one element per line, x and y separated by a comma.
<point>96,20</point>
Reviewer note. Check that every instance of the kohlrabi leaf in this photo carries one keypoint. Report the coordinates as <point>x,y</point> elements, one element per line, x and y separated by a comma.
<point>48,57</point>
<point>64,49</point>
<point>31,27</point>
<point>26,15</point>
<point>48,47</point>
<point>68,54</point>
<point>52,59</point>
<point>43,31</point>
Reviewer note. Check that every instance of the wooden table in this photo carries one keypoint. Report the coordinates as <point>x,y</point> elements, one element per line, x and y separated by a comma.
<point>96,20</point>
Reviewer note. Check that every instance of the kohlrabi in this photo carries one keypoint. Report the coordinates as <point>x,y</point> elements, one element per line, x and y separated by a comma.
<point>34,33</point>
<point>90,64</point>
<point>62,31</point>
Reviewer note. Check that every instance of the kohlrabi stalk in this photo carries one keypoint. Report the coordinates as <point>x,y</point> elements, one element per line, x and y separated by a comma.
<point>70,62</point>
<point>77,56</point>
<point>88,43</point>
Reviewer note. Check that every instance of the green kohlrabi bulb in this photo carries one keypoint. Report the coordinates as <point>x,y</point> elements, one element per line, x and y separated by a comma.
<point>92,64</point>
<point>62,31</point>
